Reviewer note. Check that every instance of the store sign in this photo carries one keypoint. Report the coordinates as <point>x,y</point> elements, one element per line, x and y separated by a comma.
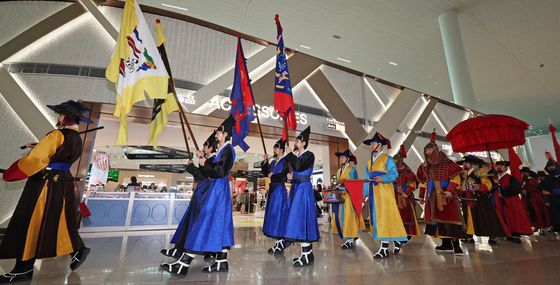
<point>187,99</point>
<point>148,152</point>
<point>333,124</point>
<point>175,168</point>
<point>223,103</point>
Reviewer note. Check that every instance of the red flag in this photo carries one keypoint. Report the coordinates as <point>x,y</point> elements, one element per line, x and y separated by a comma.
<point>554,141</point>
<point>514,163</point>
<point>355,188</point>
<point>283,98</point>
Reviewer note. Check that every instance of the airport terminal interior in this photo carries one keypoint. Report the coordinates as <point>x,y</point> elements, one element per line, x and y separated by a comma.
<point>279,142</point>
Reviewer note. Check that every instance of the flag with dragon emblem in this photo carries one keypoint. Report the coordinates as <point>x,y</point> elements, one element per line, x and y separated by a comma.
<point>136,66</point>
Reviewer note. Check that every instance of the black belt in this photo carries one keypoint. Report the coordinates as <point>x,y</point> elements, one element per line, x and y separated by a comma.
<point>301,178</point>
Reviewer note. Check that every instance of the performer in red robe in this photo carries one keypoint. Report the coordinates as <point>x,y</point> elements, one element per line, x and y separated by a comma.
<point>538,212</point>
<point>404,194</point>
<point>512,208</point>
<point>440,177</point>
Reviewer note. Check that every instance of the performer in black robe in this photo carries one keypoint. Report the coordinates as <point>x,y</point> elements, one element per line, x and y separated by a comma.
<point>277,204</point>
<point>44,223</point>
<point>202,183</point>
<point>301,223</point>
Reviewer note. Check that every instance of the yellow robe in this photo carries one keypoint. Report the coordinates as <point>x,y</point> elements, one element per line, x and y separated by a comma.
<point>351,223</point>
<point>386,220</point>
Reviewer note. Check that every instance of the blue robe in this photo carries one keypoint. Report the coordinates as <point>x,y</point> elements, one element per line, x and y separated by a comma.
<point>193,210</point>
<point>302,224</point>
<point>213,230</point>
<point>277,203</point>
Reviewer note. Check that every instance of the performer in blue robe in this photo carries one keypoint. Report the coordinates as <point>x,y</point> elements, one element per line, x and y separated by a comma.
<point>277,203</point>
<point>190,216</point>
<point>212,232</point>
<point>301,223</point>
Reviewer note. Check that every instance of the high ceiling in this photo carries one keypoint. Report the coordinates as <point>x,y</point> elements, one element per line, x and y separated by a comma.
<point>506,42</point>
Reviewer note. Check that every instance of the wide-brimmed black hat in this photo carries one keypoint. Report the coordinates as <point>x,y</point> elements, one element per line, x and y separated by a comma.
<point>503,162</point>
<point>211,140</point>
<point>526,169</point>
<point>304,135</point>
<point>74,109</point>
<point>346,153</point>
<point>471,159</point>
<point>377,137</point>
<point>226,126</point>
<point>281,144</point>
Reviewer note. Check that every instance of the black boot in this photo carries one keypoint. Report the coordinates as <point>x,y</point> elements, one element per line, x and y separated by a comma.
<point>278,247</point>
<point>349,244</point>
<point>209,258</point>
<point>179,266</point>
<point>457,250</point>
<point>445,246</point>
<point>383,250</point>
<point>78,257</point>
<point>219,265</point>
<point>492,240</point>
<point>305,258</point>
<point>23,271</point>
<point>172,252</point>
<point>397,246</point>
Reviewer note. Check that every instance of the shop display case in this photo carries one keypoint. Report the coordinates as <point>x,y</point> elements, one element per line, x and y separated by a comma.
<point>115,211</point>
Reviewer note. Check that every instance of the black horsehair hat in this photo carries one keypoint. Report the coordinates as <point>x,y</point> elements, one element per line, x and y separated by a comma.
<point>226,126</point>
<point>304,135</point>
<point>281,144</point>
<point>348,154</point>
<point>211,140</point>
<point>71,108</point>
<point>378,137</point>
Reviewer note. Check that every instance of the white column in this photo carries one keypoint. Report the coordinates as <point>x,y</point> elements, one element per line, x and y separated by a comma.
<point>461,84</point>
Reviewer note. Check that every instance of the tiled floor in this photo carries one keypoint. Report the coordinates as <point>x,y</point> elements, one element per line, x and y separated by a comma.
<point>134,258</point>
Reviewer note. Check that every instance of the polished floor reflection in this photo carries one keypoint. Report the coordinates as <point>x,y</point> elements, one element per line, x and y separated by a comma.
<point>133,258</point>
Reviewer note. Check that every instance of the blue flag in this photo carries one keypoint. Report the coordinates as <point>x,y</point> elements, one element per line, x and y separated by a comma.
<point>242,102</point>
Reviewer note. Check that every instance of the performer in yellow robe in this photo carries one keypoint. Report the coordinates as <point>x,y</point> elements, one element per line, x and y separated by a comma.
<point>345,220</point>
<point>386,222</point>
<point>44,223</point>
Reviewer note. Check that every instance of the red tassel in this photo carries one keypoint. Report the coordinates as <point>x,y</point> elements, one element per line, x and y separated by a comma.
<point>84,210</point>
<point>402,151</point>
<point>278,26</point>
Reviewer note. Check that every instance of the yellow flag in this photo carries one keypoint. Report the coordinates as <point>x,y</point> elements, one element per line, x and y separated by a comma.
<point>162,107</point>
<point>136,66</point>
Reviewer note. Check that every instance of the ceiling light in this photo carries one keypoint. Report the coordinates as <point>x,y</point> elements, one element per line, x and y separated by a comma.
<point>430,76</point>
<point>342,59</point>
<point>378,68</point>
<point>306,47</point>
<point>393,63</point>
<point>175,7</point>
<point>435,83</point>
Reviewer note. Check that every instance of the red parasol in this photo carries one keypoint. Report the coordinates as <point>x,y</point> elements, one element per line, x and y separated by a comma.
<point>487,132</point>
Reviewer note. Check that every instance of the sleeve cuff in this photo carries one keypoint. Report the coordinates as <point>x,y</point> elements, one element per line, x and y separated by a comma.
<point>14,173</point>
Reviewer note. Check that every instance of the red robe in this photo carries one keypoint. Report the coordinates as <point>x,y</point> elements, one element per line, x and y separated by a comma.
<point>512,208</point>
<point>540,217</point>
<point>406,184</point>
<point>446,221</point>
